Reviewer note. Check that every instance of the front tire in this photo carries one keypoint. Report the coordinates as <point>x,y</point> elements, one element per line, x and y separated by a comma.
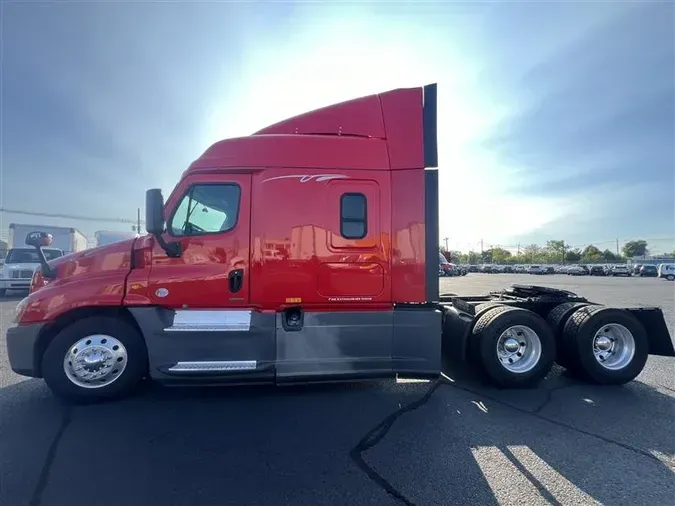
<point>95,359</point>
<point>516,347</point>
<point>605,345</point>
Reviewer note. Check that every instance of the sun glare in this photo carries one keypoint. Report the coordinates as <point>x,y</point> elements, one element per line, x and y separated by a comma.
<point>320,65</point>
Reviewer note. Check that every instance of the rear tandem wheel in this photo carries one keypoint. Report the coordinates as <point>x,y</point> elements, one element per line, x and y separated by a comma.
<point>515,346</point>
<point>557,318</point>
<point>605,345</point>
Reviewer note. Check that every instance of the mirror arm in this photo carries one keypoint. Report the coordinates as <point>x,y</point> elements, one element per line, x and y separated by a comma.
<point>45,269</point>
<point>37,239</point>
<point>172,249</point>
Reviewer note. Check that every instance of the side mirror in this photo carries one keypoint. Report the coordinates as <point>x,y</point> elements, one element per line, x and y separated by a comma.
<point>154,222</point>
<point>38,240</point>
<point>154,212</point>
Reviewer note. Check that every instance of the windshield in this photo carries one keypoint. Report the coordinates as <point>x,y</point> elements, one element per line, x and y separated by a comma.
<point>30,256</point>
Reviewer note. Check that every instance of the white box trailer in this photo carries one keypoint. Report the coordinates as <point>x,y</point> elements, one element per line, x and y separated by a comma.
<point>104,237</point>
<point>67,239</point>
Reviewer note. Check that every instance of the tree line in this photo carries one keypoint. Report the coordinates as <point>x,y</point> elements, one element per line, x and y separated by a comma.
<point>554,252</point>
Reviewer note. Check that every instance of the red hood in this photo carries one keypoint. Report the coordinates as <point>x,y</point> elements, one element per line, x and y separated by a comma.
<point>94,277</point>
<point>95,262</point>
<point>93,259</point>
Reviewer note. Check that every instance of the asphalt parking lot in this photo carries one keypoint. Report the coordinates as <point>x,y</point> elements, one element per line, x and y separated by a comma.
<point>455,442</point>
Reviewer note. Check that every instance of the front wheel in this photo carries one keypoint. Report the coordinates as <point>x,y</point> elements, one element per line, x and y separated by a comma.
<point>516,347</point>
<point>94,359</point>
<point>670,277</point>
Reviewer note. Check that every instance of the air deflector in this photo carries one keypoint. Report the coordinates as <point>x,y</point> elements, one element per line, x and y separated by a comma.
<point>429,125</point>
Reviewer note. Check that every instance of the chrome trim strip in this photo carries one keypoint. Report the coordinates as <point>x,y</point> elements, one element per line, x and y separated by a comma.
<point>207,320</point>
<point>218,365</point>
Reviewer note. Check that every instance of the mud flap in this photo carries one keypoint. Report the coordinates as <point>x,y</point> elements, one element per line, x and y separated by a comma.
<point>651,318</point>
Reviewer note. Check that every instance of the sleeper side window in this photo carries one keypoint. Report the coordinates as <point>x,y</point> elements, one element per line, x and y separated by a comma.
<point>206,209</point>
<point>353,216</point>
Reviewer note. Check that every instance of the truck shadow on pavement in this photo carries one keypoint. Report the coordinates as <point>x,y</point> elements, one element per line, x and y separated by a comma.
<point>450,442</point>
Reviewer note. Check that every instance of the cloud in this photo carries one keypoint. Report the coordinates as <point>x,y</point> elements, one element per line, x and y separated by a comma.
<point>596,126</point>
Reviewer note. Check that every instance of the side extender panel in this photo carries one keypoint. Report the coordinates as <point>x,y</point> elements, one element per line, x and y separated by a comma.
<point>340,346</point>
<point>243,346</point>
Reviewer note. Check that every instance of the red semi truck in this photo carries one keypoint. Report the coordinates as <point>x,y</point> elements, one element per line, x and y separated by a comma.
<point>307,251</point>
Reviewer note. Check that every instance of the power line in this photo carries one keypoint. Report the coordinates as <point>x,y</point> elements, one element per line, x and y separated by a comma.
<point>70,216</point>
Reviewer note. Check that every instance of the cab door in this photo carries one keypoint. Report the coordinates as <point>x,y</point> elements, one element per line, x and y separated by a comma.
<point>209,215</point>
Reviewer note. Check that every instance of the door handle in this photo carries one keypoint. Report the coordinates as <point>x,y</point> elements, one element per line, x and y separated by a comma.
<point>236,280</point>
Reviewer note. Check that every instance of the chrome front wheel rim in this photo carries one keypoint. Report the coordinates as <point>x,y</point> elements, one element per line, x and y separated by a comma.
<point>95,361</point>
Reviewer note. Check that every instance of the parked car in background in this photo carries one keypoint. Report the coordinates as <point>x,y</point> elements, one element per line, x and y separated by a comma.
<point>445,268</point>
<point>648,271</point>
<point>620,270</point>
<point>577,270</point>
<point>535,269</point>
<point>666,271</point>
<point>636,269</point>
<point>597,270</point>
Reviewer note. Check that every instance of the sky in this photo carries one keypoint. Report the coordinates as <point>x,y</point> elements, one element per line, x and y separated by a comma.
<point>556,120</point>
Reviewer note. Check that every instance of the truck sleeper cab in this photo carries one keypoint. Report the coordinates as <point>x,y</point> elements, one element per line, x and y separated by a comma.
<point>307,251</point>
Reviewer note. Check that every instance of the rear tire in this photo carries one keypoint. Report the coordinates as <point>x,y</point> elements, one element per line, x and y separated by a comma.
<point>95,359</point>
<point>481,309</point>
<point>557,319</point>
<point>670,277</point>
<point>473,352</point>
<point>605,345</point>
<point>516,346</point>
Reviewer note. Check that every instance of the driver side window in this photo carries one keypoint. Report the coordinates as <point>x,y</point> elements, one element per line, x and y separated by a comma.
<point>206,209</point>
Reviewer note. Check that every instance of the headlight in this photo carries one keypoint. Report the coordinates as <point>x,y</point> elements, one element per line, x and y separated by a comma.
<point>19,309</point>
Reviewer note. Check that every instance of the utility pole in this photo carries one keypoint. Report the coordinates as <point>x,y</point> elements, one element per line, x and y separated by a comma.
<point>563,252</point>
<point>481,248</point>
<point>617,247</point>
<point>138,220</point>
<point>518,254</point>
<point>445,240</point>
